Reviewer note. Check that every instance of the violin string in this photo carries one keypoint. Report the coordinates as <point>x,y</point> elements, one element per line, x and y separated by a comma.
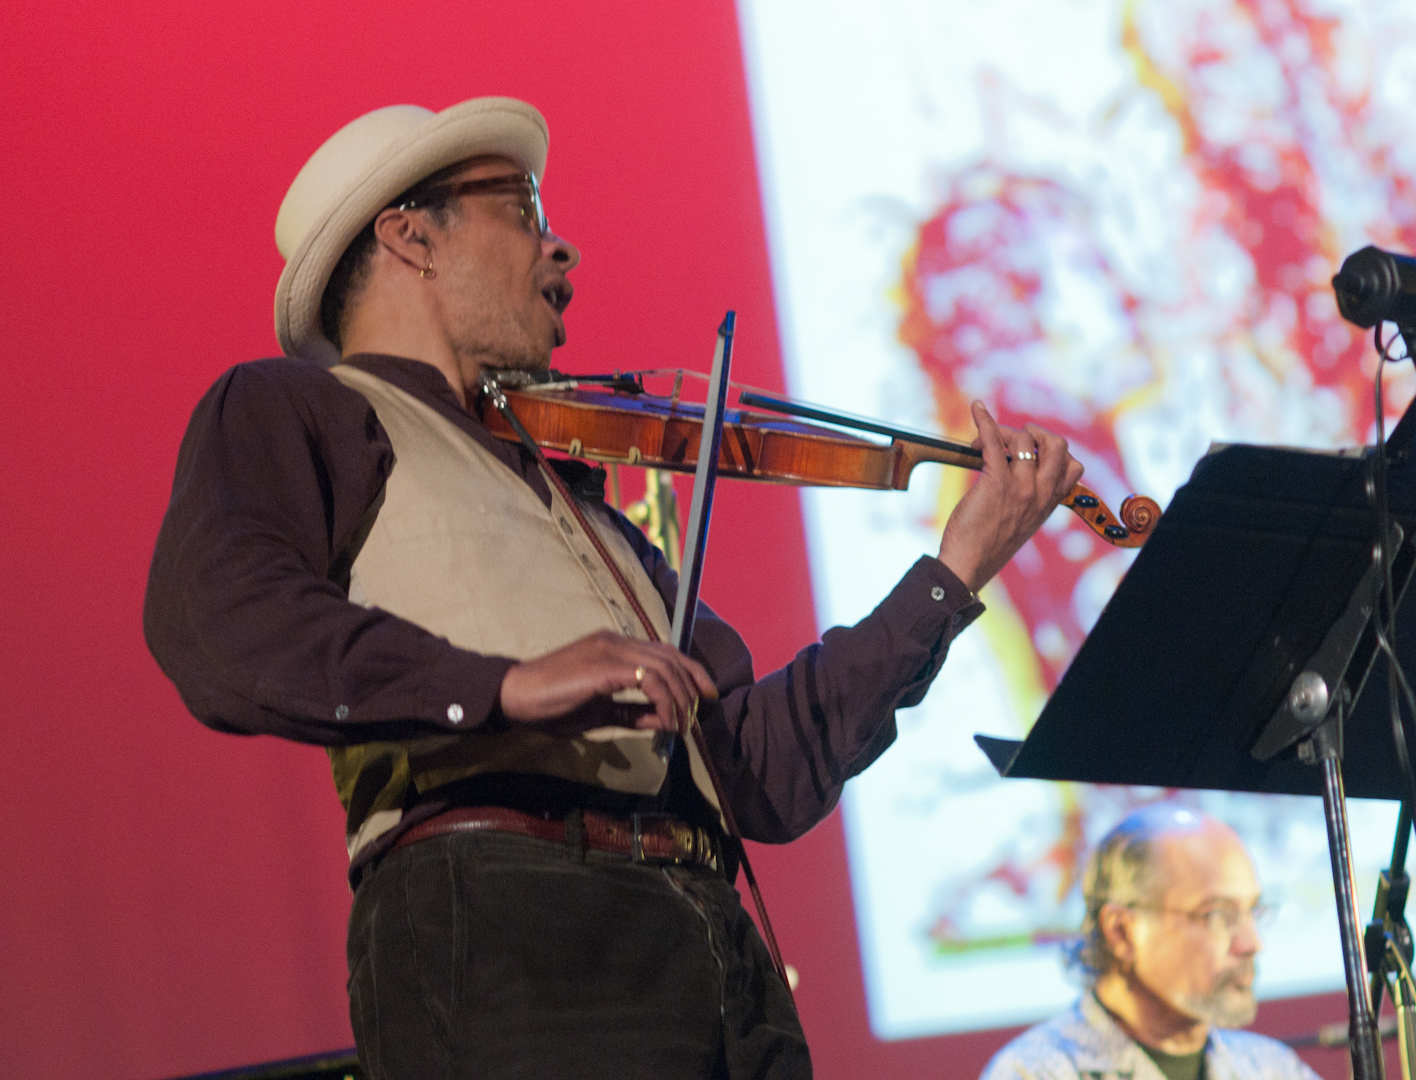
<point>843,421</point>
<point>682,373</point>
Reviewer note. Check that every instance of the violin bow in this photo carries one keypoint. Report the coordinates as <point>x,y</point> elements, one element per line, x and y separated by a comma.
<point>686,603</point>
<point>754,399</point>
<point>705,480</point>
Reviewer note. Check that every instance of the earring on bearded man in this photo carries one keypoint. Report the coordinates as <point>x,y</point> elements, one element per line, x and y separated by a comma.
<point>428,271</point>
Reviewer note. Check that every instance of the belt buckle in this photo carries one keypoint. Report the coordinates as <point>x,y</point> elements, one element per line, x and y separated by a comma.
<point>683,836</point>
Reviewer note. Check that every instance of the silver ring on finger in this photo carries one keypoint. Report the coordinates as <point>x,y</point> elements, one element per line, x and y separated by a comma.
<point>639,675</point>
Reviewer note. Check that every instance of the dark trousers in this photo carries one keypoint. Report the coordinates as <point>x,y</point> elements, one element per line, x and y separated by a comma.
<point>492,955</point>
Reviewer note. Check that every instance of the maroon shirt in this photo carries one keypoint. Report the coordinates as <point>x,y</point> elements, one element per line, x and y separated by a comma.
<point>247,608</point>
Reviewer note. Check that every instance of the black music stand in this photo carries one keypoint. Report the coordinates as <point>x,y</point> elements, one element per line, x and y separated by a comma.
<point>1234,653</point>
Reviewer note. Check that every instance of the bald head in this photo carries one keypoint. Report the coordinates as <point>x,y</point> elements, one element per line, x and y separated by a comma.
<point>1125,865</point>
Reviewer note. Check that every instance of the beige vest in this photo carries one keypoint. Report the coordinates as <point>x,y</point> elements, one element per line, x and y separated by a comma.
<point>463,547</point>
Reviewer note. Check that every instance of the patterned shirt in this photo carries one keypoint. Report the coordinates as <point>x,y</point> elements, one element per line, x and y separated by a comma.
<point>1085,1043</point>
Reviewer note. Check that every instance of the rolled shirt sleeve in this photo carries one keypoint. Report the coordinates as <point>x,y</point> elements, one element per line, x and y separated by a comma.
<point>784,745</point>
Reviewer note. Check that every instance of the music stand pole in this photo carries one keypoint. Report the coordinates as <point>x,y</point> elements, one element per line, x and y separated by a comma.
<point>1364,1043</point>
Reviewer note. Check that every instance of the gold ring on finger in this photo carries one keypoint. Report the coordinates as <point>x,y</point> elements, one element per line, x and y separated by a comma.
<point>639,675</point>
<point>1026,455</point>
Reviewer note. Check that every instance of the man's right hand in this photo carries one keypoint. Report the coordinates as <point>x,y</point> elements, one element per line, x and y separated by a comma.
<point>598,665</point>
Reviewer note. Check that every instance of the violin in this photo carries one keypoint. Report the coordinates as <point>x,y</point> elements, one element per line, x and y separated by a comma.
<point>613,419</point>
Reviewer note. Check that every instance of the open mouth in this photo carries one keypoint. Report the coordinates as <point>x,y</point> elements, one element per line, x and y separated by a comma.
<point>558,294</point>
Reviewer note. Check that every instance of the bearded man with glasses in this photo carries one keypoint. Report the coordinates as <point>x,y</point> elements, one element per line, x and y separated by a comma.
<point>351,559</point>
<point>1167,954</point>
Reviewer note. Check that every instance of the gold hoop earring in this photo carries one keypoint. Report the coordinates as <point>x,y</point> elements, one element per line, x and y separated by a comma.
<point>428,271</point>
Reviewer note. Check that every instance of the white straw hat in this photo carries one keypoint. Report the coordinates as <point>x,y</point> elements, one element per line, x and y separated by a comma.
<point>359,170</point>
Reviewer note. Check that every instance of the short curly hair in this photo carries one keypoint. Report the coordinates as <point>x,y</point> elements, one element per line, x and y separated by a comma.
<point>1122,870</point>
<point>352,271</point>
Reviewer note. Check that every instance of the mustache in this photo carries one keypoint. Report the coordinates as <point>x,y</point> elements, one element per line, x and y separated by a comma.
<point>1239,977</point>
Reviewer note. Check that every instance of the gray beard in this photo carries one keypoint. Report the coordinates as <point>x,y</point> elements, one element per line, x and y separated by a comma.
<point>1227,1005</point>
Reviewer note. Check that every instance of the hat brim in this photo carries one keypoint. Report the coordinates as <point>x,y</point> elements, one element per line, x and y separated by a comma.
<point>501,126</point>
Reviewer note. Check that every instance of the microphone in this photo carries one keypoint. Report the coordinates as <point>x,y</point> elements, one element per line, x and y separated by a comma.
<point>1377,286</point>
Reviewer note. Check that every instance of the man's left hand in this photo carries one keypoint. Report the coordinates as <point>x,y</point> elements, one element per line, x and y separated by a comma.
<point>1026,473</point>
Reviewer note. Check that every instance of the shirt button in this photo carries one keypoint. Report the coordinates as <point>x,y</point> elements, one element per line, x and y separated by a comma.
<point>341,712</point>
<point>937,592</point>
<point>958,619</point>
<point>565,524</point>
<point>454,713</point>
<point>585,558</point>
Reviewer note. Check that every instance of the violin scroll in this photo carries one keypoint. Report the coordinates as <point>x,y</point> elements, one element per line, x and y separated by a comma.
<point>1138,514</point>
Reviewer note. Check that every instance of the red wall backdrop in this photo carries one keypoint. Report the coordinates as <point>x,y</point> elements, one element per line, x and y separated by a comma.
<point>172,900</point>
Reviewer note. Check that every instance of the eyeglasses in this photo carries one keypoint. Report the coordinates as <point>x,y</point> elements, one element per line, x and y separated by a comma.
<point>522,185</point>
<point>1221,918</point>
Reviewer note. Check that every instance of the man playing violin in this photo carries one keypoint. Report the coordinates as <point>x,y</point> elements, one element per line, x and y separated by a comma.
<point>351,559</point>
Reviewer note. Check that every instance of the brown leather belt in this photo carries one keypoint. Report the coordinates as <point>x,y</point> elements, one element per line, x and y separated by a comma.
<point>643,837</point>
